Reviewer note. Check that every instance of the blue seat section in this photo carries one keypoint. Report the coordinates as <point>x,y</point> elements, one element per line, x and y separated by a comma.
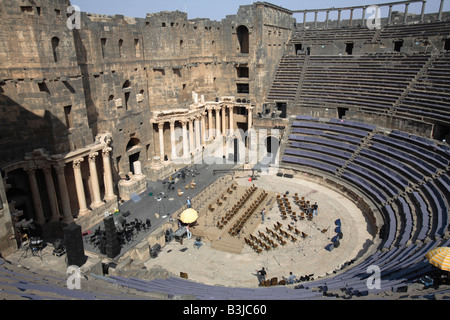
<point>310,163</point>
<point>424,167</point>
<point>406,171</point>
<point>324,141</point>
<point>374,178</point>
<point>407,220</point>
<point>370,189</point>
<point>331,136</point>
<point>321,149</point>
<point>317,156</point>
<point>419,151</point>
<point>424,221</point>
<point>383,170</point>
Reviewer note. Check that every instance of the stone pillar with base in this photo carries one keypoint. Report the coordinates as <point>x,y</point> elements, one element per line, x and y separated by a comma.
<point>109,185</point>
<point>197,133</point>
<point>232,120</point>
<point>63,193</point>
<point>185,139</point>
<point>161,140</point>
<point>191,135</point>
<point>217,131</point>
<point>51,193</point>
<point>210,122</point>
<point>40,218</point>
<point>97,202</point>
<point>79,186</point>
<point>203,130</point>
<point>172,140</point>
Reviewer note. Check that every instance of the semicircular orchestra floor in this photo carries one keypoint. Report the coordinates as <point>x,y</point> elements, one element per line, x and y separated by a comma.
<point>300,245</point>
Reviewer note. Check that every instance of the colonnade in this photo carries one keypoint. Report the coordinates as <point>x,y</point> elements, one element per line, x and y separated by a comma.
<point>364,8</point>
<point>199,128</point>
<point>65,212</point>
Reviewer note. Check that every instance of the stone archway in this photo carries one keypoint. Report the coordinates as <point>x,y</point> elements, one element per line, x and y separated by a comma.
<point>133,152</point>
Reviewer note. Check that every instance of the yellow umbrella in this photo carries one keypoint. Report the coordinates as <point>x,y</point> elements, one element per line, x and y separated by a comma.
<point>189,216</point>
<point>440,257</point>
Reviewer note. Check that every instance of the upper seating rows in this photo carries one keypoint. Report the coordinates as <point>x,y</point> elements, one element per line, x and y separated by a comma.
<point>429,97</point>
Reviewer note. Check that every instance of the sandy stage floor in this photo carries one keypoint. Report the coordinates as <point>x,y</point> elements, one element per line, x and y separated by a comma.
<point>305,256</point>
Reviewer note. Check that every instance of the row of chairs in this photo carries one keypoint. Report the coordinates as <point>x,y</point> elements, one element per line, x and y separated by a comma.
<point>235,209</point>
<point>237,227</point>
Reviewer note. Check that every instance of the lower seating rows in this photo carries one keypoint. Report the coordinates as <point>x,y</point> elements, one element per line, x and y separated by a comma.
<point>403,174</point>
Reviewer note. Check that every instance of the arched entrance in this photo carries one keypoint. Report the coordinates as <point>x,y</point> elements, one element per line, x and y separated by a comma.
<point>133,152</point>
<point>244,39</point>
<point>272,147</point>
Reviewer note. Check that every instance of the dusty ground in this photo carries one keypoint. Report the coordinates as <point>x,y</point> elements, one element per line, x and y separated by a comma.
<point>304,257</point>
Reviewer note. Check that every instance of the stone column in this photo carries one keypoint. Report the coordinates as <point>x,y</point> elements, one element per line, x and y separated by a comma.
<point>224,121</point>
<point>161,140</point>
<point>203,129</point>
<point>97,202</point>
<point>79,186</point>
<point>363,18</point>
<point>422,14</point>
<point>172,139</point>
<point>339,18</point>
<point>63,193</point>
<point>304,20</point>
<point>185,139</point>
<point>40,218</point>
<point>315,19</point>
<point>231,108</point>
<point>197,133</point>
<point>210,122</point>
<point>217,131</point>
<point>441,8</point>
<point>405,18</point>
<point>351,16</point>
<point>51,193</point>
<point>108,178</point>
<point>250,118</point>
<point>390,15</point>
<point>327,19</point>
<point>191,135</point>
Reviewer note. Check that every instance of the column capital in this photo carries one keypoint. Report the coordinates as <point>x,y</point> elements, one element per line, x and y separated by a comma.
<point>60,168</point>
<point>46,168</point>
<point>106,151</point>
<point>92,156</point>
<point>161,125</point>
<point>172,122</point>
<point>184,122</point>
<point>77,163</point>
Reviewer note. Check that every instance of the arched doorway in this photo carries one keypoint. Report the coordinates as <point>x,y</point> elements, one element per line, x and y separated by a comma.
<point>127,92</point>
<point>272,147</point>
<point>133,152</point>
<point>244,39</point>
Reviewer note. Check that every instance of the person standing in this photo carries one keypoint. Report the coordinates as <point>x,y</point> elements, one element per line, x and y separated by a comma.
<point>263,215</point>
<point>262,275</point>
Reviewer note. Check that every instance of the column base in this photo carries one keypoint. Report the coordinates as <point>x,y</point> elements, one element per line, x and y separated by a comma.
<point>110,198</point>
<point>85,212</point>
<point>97,205</point>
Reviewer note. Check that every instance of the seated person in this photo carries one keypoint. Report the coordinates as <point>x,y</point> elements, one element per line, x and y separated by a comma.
<point>291,279</point>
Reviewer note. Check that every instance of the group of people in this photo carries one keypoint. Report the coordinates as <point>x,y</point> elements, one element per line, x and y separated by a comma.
<point>291,279</point>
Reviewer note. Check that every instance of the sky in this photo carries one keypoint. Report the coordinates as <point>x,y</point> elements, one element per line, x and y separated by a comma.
<point>219,9</point>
